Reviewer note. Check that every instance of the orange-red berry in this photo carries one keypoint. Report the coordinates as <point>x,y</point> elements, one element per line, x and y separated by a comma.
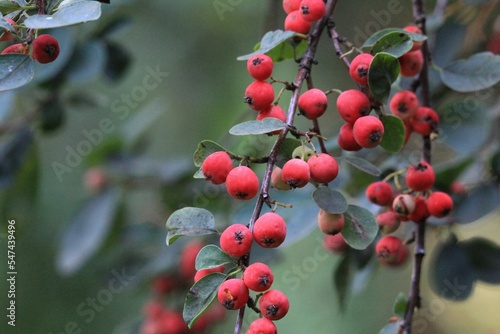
<point>242,183</point>
<point>323,168</point>
<point>274,305</point>
<point>439,204</point>
<point>295,22</point>
<point>425,121</point>
<point>16,48</point>
<point>259,95</point>
<point>346,140</point>
<point>420,177</point>
<point>236,240</point>
<point>411,63</point>
<point>296,173</point>
<point>260,66</point>
<point>216,167</point>
<point>353,104</point>
<point>233,294</point>
<point>312,10</point>
<point>388,221</point>
<point>269,230</point>
<point>359,67</point>
<point>416,30</point>
<point>404,104</point>
<point>262,326</point>
<point>334,243</point>
<point>204,272</point>
<point>390,250</point>
<point>368,131</point>
<point>258,277</point>
<point>330,223</point>
<point>379,192</point>
<point>313,103</point>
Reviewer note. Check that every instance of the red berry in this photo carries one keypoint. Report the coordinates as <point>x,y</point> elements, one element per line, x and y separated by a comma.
<point>172,322</point>
<point>420,177</point>
<point>346,140</point>
<point>188,259</point>
<point>425,121</point>
<point>313,103</point>
<point>416,30</point>
<point>153,309</point>
<point>323,168</point>
<point>277,180</point>
<point>388,222</point>
<point>439,204</point>
<point>259,95</point>
<point>295,22</point>
<point>95,179</point>
<point>269,230</point>
<point>216,166</point>
<point>411,63</point>
<point>312,10</point>
<point>404,104</point>
<point>421,212</point>
<point>204,272</point>
<point>17,48</point>
<point>403,204</point>
<point>258,277</point>
<point>368,131</point>
<point>380,193</point>
<point>334,243</point>
<point>236,240</point>
<point>359,68</point>
<point>233,294</point>
<point>330,223</point>
<point>291,5</point>
<point>262,326</point>
<point>274,111</point>
<point>45,49</point>
<point>242,183</point>
<point>296,173</point>
<point>353,104</point>
<point>164,284</point>
<point>274,305</point>
<point>390,250</point>
<point>7,35</point>
<point>260,66</point>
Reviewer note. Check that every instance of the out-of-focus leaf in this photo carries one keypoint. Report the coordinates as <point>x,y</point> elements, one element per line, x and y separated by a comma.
<point>400,305</point>
<point>87,62</point>
<point>332,201</point>
<point>140,122</point>
<point>271,40</point>
<point>52,116</point>
<point>118,61</point>
<point>189,221</point>
<point>16,70</point>
<point>484,255</point>
<point>373,39</point>
<point>477,203</point>
<point>391,328</point>
<point>447,173</point>
<point>267,125</point>
<point>12,154</point>
<point>363,165</point>
<point>67,14</point>
<point>342,278</point>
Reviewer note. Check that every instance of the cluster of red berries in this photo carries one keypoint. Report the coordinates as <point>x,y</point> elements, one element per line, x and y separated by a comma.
<point>302,13</point>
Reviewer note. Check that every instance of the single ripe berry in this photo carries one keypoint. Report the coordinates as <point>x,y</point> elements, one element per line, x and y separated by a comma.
<point>353,104</point>
<point>404,104</point>
<point>236,240</point>
<point>269,230</point>
<point>323,168</point>
<point>16,48</point>
<point>274,111</point>
<point>411,63</point>
<point>416,30</point>
<point>439,204</point>
<point>334,243</point>
<point>204,272</point>
<point>346,140</point>
<point>260,66</point>
<point>421,212</point>
<point>379,192</point>
<point>359,68</point>
<point>7,35</point>
<point>262,326</point>
<point>242,183</point>
<point>388,221</point>
<point>403,204</point>
<point>313,103</point>
<point>368,131</point>
<point>420,177</point>
<point>390,250</point>
<point>277,180</point>
<point>274,305</point>
<point>312,10</point>
<point>45,49</point>
<point>296,173</point>
<point>258,277</point>
<point>187,259</point>
<point>330,223</point>
<point>216,167</point>
<point>291,5</point>
<point>233,294</point>
<point>259,95</point>
<point>425,121</point>
<point>295,22</point>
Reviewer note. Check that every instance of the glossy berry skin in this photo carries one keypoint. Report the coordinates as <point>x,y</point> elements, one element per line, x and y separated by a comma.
<point>260,66</point>
<point>16,48</point>
<point>236,240</point>
<point>390,250</point>
<point>312,10</point>
<point>368,131</point>
<point>233,294</point>
<point>291,5</point>
<point>416,30</point>
<point>421,212</point>
<point>269,230</point>
<point>379,192</point>
<point>425,121</point>
<point>296,173</point>
<point>388,222</point>
<point>346,140</point>
<point>242,183</point>
<point>359,68</point>
<point>216,167</point>
<point>262,326</point>
<point>259,95</point>
<point>313,103</point>
<point>411,63</point>
<point>204,272</point>
<point>420,177</point>
<point>295,22</point>
<point>277,181</point>
<point>439,204</point>
<point>258,277</point>
<point>45,49</point>
<point>403,204</point>
<point>353,104</point>
<point>274,305</point>
<point>330,223</point>
<point>335,243</point>
<point>404,104</point>
<point>323,168</point>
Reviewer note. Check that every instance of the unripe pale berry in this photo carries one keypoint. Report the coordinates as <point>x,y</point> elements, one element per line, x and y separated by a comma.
<point>368,131</point>
<point>403,204</point>
<point>269,230</point>
<point>204,272</point>
<point>296,173</point>
<point>262,326</point>
<point>323,168</point>
<point>258,277</point>
<point>216,167</point>
<point>411,63</point>
<point>295,22</point>
<point>425,121</point>
<point>312,10</point>
<point>236,240</point>
<point>416,30</point>
<point>420,177</point>
<point>302,152</point>
<point>439,204</point>
<point>335,243</point>
<point>359,67</point>
<point>313,103</point>
<point>233,294</point>
<point>346,140</point>
<point>45,49</point>
<point>390,250</point>
<point>404,104</point>
<point>379,192</point>
<point>388,221</point>
<point>277,181</point>
<point>291,5</point>
<point>16,48</point>
<point>260,66</point>
<point>330,223</point>
<point>259,95</point>
<point>274,305</point>
<point>353,104</point>
<point>242,183</point>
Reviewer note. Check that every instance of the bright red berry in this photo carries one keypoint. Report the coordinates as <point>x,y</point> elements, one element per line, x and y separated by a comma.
<point>346,140</point>
<point>233,294</point>
<point>425,121</point>
<point>388,221</point>
<point>416,30</point>
<point>404,104</point>
<point>16,48</point>
<point>312,10</point>
<point>296,173</point>
<point>359,68</point>
<point>390,250</point>
<point>330,223</point>
<point>368,131</point>
<point>291,5</point>
<point>420,177</point>
<point>295,22</point>
<point>216,167</point>
<point>262,326</point>
<point>260,66</point>
<point>313,103</point>
<point>274,111</point>
<point>334,243</point>
<point>259,95</point>
<point>204,272</point>
<point>236,240</point>
<point>258,277</point>
<point>274,305</point>
<point>323,168</point>
<point>411,63</point>
<point>277,180</point>
<point>353,104</point>
<point>439,204</point>
<point>45,49</point>
<point>421,212</point>
<point>403,204</point>
<point>269,230</point>
<point>242,183</point>
<point>379,192</point>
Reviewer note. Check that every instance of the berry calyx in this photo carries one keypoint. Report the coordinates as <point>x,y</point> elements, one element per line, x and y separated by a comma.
<point>439,204</point>
<point>262,326</point>
<point>258,277</point>
<point>346,140</point>
<point>353,104</point>
<point>313,103</point>
<point>420,177</point>
<point>274,305</point>
<point>379,192</point>
<point>45,49</point>
<point>312,10</point>
<point>368,131</point>
<point>236,240</point>
<point>323,168</point>
<point>260,66</point>
<point>296,173</point>
<point>404,104</point>
<point>216,167</point>
<point>259,95</point>
<point>390,250</point>
<point>242,183</point>
<point>330,223</point>
<point>233,294</point>
<point>269,230</point>
<point>359,68</point>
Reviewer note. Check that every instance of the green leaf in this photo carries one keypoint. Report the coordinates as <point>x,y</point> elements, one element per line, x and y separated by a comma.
<point>16,70</point>
<point>205,148</point>
<point>330,200</point>
<point>477,203</point>
<point>118,61</point>
<point>391,328</point>
<point>287,50</point>
<point>200,296</point>
<point>8,6</point>
<point>286,150</point>
<point>73,13</point>
<point>342,279</point>
<point>400,305</point>
<point>271,40</point>
<point>189,221</point>
<point>363,165</point>
<point>394,43</point>
<point>211,256</point>
<point>52,116</point>
<point>87,62</point>
<point>394,133</point>
<point>360,227</point>
<point>373,39</point>
<point>267,125</point>
<point>479,71</point>
<point>384,70</point>
<point>12,154</point>
<point>484,256</point>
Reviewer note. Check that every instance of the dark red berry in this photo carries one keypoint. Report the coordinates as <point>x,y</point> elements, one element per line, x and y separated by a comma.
<point>45,49</point>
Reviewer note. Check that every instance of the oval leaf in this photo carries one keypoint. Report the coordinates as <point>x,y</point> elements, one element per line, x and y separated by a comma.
<point>370,42</point>
<point>394,133</point>
<point>360,227</point>
<point>394,43</point>
<point>384,70</point>
<point>330,200</point>
<point>212,256</point>
<point>267,125</point>
<point>363,165</point>
<point>73,13</point>
<point>271,40</point>
<point>205,148</point>
<point>16,70</point>
<point>484,255</point>
<point>189,221</point>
